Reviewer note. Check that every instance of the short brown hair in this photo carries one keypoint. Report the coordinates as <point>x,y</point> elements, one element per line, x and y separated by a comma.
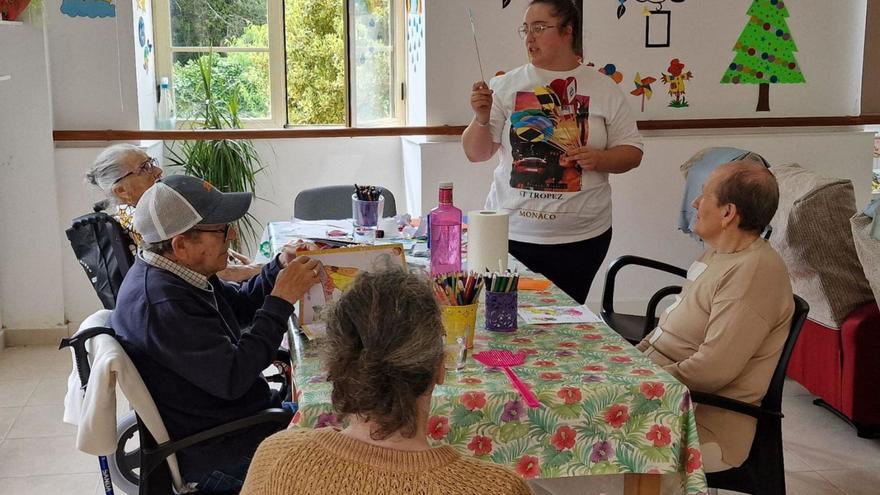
<point>383,349</point>
<point>569,15</point>
<point>753,189</point>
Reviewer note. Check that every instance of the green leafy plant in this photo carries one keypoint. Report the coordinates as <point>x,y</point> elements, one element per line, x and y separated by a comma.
<point>230,165</point>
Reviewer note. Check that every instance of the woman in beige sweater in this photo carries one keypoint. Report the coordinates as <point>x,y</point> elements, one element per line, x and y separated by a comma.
<point>384,355</point>
<point>725,331</point>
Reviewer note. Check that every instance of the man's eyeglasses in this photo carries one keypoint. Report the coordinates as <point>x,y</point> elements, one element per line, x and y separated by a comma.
<point>536,29</point>
<point>142,169</point>
<point>224,230</point>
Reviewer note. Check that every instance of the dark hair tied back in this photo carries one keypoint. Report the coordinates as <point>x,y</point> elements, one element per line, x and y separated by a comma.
<point>569,15</point>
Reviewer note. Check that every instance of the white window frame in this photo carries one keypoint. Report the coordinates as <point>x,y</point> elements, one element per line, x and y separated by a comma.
<point>277,65</point>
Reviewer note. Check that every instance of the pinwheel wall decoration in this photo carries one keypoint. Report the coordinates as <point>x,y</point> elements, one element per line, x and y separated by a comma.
<point>643,88</point>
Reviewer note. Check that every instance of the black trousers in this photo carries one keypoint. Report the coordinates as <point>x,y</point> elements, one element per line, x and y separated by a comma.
<point>571,267</point>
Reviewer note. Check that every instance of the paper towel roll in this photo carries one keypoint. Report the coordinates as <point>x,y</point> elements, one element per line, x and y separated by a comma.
<point>487,240</point>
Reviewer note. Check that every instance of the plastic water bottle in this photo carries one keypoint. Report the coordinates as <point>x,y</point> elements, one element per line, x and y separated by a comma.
<point>445,232</point>
<point>165,117</point>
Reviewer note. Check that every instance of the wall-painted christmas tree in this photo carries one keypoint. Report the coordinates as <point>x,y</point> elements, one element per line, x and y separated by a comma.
<point>765,52</point>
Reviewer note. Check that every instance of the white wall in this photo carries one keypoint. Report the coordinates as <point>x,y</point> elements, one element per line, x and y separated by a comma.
<point>30,267</point>
<point>94,69</point>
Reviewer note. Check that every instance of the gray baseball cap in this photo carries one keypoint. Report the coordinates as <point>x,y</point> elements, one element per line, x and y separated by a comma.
<point>177,203</point>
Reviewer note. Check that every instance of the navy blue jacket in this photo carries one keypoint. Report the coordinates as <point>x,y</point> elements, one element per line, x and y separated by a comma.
<point>198,365</point>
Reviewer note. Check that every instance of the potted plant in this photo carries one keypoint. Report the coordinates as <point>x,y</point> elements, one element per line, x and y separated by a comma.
<point>231,165</point>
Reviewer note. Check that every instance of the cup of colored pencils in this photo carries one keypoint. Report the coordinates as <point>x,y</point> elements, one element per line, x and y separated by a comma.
<point>501,301</point>
<point>458,294</point>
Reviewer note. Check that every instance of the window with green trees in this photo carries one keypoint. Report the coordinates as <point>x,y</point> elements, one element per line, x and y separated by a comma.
<point>286,60</point>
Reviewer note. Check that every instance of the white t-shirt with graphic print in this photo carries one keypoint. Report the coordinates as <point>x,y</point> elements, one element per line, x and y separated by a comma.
<point>536,115</point>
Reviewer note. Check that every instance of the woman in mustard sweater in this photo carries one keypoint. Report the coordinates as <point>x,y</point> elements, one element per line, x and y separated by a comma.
<point>384,355</point>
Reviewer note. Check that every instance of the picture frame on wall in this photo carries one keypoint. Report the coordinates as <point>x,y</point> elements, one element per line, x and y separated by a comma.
<point>657,28</point>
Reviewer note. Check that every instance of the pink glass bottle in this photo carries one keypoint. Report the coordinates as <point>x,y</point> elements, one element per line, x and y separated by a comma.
<point>445,234</point>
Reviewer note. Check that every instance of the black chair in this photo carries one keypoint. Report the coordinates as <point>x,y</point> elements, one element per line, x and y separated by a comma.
<point>144,470</point>
<point>102,248</point>
<point>763,472</point>
<point>634,327</point>
<point>334,203</point>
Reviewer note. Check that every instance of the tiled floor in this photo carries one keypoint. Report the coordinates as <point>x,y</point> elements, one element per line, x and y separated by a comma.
<point>38,456</point>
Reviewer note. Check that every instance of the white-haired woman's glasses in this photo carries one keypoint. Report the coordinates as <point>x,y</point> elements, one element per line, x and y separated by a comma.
<point>144,168</point>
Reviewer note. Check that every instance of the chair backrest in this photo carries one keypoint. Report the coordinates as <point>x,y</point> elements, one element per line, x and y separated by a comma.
<point>334,203</point>
<point>95,339</point>
<point>102,248</point>
<point>773,398</point>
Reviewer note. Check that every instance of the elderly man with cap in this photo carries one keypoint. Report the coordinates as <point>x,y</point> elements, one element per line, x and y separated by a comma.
<point>182,326</point>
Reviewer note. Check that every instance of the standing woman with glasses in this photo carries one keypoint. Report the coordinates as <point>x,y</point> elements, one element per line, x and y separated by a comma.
<point>562,127</point>
<point>123,172</point>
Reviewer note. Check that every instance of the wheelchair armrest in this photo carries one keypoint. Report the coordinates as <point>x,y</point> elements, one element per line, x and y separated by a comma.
<point>652,305</point>
<point>156,456</point>
<point>733,405</point>
<point>616,265</point>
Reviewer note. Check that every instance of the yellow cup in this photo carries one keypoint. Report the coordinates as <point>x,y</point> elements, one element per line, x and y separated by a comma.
<point>459,323</point>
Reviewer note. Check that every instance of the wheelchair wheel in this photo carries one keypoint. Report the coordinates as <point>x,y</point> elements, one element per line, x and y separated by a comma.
<point>124,464</point>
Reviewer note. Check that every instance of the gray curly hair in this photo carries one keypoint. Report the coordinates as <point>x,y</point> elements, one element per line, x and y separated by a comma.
<point>383,349</point>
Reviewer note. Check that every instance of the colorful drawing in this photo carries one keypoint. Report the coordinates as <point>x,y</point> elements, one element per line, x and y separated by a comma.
<point>545,124</point>
<point>765,52</point>
<point>88,8</point>
<point>415,35</point>
<point>341,266</point>
<point>557,314</point>
<point>10,10</point>
<point>643,88</point>
<point>142,5</point>
<point>148,49</point>
<point>676,80</point>
<point>142,32</point>
<point>611,71</point>
<point>413,7</point>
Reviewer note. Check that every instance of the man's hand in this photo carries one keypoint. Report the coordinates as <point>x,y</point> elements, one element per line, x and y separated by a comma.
<point>589,159</point>
<point>290,250</point>
<point>481,102</point>
<point>297,278</point>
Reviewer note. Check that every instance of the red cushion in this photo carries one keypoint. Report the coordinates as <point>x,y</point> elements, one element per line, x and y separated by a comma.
<point>842,366</point>
<point>861,365</point>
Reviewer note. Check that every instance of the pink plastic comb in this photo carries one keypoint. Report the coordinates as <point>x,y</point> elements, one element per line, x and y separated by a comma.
<point>505,359</point>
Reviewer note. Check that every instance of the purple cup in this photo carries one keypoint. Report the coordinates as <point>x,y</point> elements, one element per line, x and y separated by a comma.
<point>501,311</point>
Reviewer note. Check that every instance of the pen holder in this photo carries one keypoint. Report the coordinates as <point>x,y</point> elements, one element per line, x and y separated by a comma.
<point>460,321</point>
<point>501,311</point>
<point>365,218</point>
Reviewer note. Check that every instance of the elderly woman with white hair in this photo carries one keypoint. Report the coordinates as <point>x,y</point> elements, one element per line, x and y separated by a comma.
<point>123,172</point>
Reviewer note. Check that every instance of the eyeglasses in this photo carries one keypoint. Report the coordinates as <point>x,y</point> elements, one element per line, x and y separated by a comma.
<point>143,168</point>
<point>536,29</point>
<point>224,230</point>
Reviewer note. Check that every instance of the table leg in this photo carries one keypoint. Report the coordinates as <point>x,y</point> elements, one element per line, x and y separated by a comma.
<point>641,484</point>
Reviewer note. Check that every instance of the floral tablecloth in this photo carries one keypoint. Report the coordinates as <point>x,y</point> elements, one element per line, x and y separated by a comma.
<point>605,408</point>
